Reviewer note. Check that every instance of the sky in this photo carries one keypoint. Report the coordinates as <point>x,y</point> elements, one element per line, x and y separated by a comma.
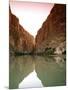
<point>31,14</point>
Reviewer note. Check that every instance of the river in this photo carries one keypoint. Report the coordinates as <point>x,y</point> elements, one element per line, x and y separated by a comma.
<point>28,71</point>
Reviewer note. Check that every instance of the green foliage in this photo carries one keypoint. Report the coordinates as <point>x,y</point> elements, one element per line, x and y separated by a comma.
<point>49,50</point>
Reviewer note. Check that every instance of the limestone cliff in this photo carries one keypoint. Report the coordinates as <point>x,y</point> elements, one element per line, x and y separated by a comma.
<point>20,41</point>
<point>52,33</point>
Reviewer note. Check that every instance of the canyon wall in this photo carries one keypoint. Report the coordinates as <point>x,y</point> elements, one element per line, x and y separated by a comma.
<point>51,37</point>
<point>20,41</point>
<point>52,33</point>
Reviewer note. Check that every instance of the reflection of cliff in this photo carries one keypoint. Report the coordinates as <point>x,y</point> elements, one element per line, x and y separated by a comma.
<point>20,40</point>
<point>49,72</point>
<point>19,68</point>
<point>52,32</point>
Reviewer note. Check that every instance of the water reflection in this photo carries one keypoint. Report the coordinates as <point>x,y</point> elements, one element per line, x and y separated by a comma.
<point>31,81</point>
<point>49,72</point>
<point>37,71</point>
<point>19,68</point>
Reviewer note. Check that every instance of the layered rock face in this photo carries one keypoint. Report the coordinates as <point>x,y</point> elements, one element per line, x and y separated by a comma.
<point>52,33</point>
<point>19,39</point>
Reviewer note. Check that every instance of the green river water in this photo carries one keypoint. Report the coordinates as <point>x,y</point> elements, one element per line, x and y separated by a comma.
<point>28,71</point>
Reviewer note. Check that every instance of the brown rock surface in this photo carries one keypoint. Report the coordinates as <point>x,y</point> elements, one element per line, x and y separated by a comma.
<point>52,33</point>
<point>20,41</point>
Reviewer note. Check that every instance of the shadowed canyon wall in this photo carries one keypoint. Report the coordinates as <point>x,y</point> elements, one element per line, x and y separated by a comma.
<point>19,39</point>
<point>52,33</point>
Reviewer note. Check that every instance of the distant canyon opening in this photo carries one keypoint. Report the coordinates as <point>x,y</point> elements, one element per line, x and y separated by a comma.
<point>31,14</point>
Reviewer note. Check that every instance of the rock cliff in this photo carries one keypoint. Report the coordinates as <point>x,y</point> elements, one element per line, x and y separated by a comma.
<point>51,36</point>
<point>20,41</point>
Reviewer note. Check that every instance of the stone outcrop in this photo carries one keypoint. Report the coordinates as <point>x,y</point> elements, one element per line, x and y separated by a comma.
<point>20,41</point>
<point>52,33</point>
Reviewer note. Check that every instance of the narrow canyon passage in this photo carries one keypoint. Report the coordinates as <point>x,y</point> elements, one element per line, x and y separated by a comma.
<point>31,15</point>
<point>52,26</point>
<point>37,44</point>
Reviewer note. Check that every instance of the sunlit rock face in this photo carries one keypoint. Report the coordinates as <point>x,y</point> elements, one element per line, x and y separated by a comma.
<point>52,32</point>
<point>19,39</point>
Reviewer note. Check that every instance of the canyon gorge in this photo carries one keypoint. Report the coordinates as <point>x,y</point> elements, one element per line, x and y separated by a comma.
<point>50,38</point>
